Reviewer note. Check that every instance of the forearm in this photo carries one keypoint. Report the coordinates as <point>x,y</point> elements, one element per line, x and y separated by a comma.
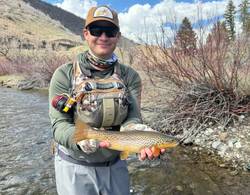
<point>63,132</point>
<point>63,127</point>
<point>134,113</point>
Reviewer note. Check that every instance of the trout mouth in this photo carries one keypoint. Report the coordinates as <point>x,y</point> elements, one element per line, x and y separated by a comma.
<point>173,142</point>
<point>170,144</point>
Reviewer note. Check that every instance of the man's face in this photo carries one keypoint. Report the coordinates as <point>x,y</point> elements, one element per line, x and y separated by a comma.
<point>100,43</point>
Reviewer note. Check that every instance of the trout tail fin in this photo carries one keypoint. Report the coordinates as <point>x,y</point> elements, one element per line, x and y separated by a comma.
<point>81,132</point>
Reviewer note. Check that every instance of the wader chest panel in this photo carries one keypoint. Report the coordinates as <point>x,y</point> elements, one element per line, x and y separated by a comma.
<point>100,102</point>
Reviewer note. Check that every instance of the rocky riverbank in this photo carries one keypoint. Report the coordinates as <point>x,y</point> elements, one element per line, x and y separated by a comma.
<point>10,81</point>
<point>21,82</point>
<point>230,144</point>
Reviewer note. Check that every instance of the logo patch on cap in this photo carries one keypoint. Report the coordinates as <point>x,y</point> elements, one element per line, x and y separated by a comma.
<point>103,12</point>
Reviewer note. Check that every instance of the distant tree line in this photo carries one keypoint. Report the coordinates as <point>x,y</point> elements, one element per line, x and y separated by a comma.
<point>186,37</point>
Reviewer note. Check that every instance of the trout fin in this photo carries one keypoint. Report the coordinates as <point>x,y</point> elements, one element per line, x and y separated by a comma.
<point>156,151</point>
<point>81,131</point>
<point>124,155</point>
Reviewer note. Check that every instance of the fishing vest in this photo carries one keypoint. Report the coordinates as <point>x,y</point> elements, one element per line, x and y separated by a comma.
<point>99,102</point>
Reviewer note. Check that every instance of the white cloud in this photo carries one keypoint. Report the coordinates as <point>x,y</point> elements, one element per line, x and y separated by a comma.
<point>138,19</point>
<point>77,7</point>
<point>133,21</point>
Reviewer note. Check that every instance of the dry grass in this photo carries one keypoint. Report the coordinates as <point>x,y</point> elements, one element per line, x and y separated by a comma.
<point>27,24</point>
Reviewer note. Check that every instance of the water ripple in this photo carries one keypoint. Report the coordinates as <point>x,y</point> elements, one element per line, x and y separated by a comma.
<point>26,165</point>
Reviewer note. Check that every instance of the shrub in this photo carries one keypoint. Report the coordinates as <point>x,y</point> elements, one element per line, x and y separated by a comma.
<point>208,85</point>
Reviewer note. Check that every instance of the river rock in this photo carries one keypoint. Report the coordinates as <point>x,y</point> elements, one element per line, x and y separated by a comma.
<point>223,136</point>
<point>209,131</point>
<point>26,84</point>
<point>234,140</point>
<point>221,127</point>
<point>234,130</point>
<point>197,141</point>
<point>241,118</point>
<point>223,149</point>
<point>238,145</point>
<point>216,145</point>
<point>230,144</point>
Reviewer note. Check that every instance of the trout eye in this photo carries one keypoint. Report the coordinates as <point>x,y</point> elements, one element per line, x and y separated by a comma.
<point>171,140</point>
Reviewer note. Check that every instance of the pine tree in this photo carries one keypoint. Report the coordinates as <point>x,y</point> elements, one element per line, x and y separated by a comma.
<point>230,17</point>
<point>218,33</point>
<point>244,15</point>
<point>186,37</point>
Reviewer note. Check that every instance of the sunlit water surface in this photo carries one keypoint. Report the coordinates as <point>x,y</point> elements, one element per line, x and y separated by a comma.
<point>26,165</point>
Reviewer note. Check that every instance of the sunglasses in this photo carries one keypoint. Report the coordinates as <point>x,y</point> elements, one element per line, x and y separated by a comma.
<point>97,31</point>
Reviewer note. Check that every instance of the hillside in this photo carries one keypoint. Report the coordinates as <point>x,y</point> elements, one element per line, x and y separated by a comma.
<point>34,24</point>
<point>70,21</point>
<point>33,29</point>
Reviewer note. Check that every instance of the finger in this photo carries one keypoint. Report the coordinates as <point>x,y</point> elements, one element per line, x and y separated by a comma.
<point>156,151</point>
<point>143,154</point>
<point>163,151</point>
<point>104,144</point>
<point>149,153</point>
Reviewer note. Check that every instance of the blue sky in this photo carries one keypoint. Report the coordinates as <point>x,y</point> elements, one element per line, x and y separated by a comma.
<point>123,5</point>
<point>143,18</point>
<point>119,5</point>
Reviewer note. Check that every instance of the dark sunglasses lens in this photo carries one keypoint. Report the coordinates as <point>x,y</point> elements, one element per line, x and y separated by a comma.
<point>97,31</point>
<point>111,32</point>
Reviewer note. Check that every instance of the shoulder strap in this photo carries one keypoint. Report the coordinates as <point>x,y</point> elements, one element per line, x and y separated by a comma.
<point>78,71</point>
<point>118,69</point>
<point>76,68</point>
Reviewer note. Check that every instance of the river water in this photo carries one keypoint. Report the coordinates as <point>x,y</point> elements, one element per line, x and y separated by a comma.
<point>26,165</point>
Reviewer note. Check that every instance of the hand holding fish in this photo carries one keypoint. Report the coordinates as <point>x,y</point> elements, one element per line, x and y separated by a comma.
<point>91,145</point>
<point>104,144</point>
<point>130,141</point>
<point>145,152</point>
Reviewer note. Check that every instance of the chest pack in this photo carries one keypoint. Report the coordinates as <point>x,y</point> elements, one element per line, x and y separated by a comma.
<point>100,102</point>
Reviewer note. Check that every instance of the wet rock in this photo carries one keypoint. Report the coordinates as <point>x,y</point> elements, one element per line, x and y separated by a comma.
<point>179,188</point>
<point>224,165</point>
<point>247,166</point>
<point>234,173</point>
<point>223,149</point>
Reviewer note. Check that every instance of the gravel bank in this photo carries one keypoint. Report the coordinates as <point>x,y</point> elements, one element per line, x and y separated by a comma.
<point>230,144</point>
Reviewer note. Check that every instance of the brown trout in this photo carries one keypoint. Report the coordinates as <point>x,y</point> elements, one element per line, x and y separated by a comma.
<point>126,141</point>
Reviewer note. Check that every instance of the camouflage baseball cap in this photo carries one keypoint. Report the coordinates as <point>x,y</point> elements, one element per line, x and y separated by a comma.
<point>102,12</point>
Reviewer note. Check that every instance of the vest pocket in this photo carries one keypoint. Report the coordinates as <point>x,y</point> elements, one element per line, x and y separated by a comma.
<point>120,114</point>
<point>96,117</point>
<point>93,118</point>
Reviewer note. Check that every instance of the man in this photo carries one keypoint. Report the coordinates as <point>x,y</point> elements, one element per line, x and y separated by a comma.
<point>89,167</point>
